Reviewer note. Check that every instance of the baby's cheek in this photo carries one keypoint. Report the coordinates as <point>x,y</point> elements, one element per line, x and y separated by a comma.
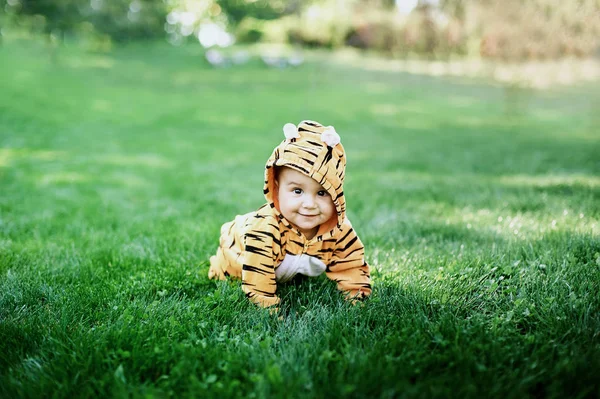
<point>330,206</point>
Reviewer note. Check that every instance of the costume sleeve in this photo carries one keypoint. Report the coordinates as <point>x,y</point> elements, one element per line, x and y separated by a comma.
<point>348,267</point>
<point>261,247</point>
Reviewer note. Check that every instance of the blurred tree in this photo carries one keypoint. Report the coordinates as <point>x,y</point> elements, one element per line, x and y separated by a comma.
<point>120,19</point>
<point>378,4</point>
<point>237,10</point>
<point>454,8</point>
<point>126,19</point>
<point>537,29</point>
<point>58,16</point>
<point>4,16</point>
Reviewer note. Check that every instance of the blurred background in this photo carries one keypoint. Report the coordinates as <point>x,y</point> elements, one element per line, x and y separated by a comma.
<point>446,32</point>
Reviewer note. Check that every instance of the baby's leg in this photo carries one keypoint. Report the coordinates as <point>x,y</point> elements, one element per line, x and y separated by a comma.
<point>225,263</point>
<point>215,271</point>
<point>221,268</point>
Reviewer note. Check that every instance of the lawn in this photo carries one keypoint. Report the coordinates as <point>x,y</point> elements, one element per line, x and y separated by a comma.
<point>479,206</point>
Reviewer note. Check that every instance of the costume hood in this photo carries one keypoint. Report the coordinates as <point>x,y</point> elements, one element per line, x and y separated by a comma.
<point>316,151</point>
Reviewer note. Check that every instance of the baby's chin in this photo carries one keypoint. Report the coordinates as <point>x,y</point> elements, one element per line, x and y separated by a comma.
<point>313,223</point>
<point>308,230</point>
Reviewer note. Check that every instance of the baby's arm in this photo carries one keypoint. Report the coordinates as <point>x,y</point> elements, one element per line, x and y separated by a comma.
<point>262,241</point>
<point>348,267</point>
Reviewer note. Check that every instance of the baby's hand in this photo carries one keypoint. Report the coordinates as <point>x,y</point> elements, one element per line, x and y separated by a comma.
<point>355,297</point>
<point>274,311</point>
<point>357,302</point>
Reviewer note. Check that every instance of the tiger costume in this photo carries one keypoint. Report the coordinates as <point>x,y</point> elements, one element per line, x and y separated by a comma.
<point>263,248</point>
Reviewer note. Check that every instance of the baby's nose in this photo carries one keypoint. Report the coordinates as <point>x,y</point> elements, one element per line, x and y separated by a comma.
<point>309,202</point>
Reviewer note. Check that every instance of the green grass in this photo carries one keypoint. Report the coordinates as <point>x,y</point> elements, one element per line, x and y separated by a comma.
<point>479,207</point>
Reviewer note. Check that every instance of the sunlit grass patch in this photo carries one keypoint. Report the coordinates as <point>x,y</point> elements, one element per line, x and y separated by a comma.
<point>8,155</point>
<point>92,61</point>
<point>552,180</point>
<point>62,177</point>
<point>147,160</point>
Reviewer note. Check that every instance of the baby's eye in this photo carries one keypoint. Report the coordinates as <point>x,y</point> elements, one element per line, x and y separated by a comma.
<point>322,193</point>
<point>297,191</point>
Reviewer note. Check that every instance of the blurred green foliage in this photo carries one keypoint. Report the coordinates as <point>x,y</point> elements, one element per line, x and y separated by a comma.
<point>237,10</point>
<point>506,30</point>
<point>117,19</point>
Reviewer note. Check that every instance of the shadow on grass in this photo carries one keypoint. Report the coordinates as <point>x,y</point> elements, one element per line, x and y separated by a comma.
<point>414,336</point>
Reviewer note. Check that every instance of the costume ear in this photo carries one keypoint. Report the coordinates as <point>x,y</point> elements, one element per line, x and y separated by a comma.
<point>290,131</point>
<point>330,136</point>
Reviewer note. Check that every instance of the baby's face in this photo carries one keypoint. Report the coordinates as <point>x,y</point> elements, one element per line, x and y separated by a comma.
<point>303,201</point>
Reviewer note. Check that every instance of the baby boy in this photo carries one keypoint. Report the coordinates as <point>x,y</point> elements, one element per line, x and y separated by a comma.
<point>302,229</point>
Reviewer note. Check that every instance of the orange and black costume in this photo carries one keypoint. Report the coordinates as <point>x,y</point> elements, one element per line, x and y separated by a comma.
<point>264,249</point>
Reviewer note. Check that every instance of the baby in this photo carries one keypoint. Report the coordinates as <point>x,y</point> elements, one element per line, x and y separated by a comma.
<point>302,229</point>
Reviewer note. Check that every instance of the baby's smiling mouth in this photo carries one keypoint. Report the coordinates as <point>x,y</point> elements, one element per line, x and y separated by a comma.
<point>308,216</point>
